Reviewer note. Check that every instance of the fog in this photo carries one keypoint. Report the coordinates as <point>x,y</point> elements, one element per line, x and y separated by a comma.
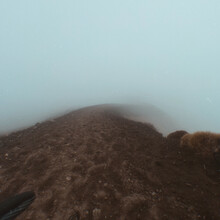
<point>60,55</point>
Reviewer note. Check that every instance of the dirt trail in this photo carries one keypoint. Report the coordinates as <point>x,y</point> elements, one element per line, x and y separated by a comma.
<point>95,163</point>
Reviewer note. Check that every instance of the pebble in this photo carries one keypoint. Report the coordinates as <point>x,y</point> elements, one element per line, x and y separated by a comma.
<point>96,213</point>
<point>68,178</point>
<point>153,193</point>
<point>190,209</point>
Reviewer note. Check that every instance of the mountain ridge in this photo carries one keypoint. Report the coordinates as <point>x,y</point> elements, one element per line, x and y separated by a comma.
<point>100,165</point>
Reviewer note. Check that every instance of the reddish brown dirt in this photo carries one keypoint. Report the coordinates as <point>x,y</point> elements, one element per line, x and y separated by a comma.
<point>102,166</point>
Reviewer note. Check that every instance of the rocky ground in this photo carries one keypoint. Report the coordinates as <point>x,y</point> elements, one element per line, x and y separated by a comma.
<point>94,164</point>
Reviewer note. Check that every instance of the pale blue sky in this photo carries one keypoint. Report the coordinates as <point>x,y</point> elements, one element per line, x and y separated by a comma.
<point>57,55</point>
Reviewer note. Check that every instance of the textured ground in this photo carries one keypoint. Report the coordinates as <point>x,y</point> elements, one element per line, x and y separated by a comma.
<point>98,165</point>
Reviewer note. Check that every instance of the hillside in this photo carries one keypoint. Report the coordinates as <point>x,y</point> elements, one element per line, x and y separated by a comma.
<point>94,164</point>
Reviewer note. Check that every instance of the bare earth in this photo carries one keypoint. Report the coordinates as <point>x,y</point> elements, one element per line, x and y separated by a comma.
<point>94,164</point>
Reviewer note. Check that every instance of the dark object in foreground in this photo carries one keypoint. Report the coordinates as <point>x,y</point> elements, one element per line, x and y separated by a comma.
<point>15,205</point>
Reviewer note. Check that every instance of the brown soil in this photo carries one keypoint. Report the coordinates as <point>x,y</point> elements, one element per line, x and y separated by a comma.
<point>95,164</point>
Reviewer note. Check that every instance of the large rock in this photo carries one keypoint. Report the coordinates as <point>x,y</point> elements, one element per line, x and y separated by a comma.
<point>177,134</point>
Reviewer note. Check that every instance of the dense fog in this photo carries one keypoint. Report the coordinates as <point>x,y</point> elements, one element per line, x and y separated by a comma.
<point>61,55</point>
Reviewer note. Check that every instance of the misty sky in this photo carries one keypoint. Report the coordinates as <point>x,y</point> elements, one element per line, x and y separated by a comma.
<point>58,55</point>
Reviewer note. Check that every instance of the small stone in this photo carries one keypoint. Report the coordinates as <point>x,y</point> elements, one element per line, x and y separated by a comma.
<point>153,193</point>
<point>190,209</point>
<point>6,155</point>
<point>68,178</point>
<point>95,195</point>
<point>105,184</point>
<point>96,213</point>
